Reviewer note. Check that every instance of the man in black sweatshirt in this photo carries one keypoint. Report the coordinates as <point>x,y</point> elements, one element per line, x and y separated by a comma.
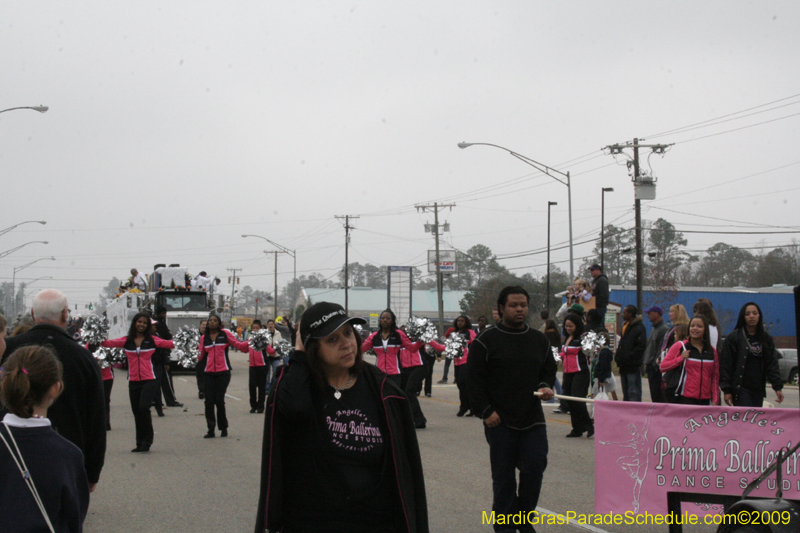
<point>506,365</point>
<point>79,414</point>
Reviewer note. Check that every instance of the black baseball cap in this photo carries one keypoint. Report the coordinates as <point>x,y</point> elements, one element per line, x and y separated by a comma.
<point>322,319</point>
<point>596,267</point>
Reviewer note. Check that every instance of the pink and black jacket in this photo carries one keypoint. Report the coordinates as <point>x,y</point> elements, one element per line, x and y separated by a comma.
<point>140,359</point>
<point>217,350</point>
<point>699,374</point>
<point>573,358</point>
<point>259,357</point>
<point>389,359</point>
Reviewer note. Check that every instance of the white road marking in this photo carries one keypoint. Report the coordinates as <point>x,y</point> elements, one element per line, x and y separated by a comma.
<point>587,527</point>
<point>184,380</point>
<point>233,397</point>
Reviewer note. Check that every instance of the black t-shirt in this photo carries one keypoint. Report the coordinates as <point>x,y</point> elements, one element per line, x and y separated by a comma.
<point>753,378</point>
<point>355,435</point>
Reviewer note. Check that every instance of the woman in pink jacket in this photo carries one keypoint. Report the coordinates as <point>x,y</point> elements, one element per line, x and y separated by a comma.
<point>464,329</point>
<point>699,365</point>
<point>139,347</point>
<point>214,347</point>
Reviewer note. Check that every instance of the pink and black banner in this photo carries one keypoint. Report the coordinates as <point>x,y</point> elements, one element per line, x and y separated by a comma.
<point>644,450</point>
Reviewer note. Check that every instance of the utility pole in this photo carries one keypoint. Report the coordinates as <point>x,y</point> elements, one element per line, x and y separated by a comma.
<point>347,228</point>
<point>435,208</point>
<point>644,190</point>
<point>233,279</point>
<point>275,299</point>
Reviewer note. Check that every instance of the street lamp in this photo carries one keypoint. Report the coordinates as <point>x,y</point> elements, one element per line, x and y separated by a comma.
<point>284,249</point>
<point>29,284</point>
<point>603,225</point>
<point>4,231</point>
<point>547,299</point>
<point>39,108</point>
<point>14,281</point>
<point>11,251</point>
<point>547,170</point>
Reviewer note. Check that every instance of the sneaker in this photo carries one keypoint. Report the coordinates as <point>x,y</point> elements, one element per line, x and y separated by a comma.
<point>421,425</point>
<point>176,404</point>
<point>590,433</point>
<point>260,411</point>
<point>427,394</point>
<point>462,412</point>
<point>252,410</point>
<point>224,433</point>
<point>209,435</point>
<point>572,434</point>
<point>443,380</point>
<point>558,410</point>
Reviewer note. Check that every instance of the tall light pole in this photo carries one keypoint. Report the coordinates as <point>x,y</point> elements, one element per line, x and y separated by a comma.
<point>284,249</point>
<point>39,108</point>
<point>603,225</point>
<point>4,231</point>
<point>12,250</point>
<point>29,284</point>
<point>547,170</point>
<point>547,299</point>
<point>14,281</point>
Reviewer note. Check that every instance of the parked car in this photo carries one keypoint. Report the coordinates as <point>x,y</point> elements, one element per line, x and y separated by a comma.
<point>787,360</point>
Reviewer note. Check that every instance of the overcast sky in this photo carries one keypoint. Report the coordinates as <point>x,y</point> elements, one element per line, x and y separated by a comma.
<point>176,127</point>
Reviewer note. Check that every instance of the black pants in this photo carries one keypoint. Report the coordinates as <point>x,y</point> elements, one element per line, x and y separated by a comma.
<point>654,380</point>
<point>200,373</point>
<point>460,372</point>
<point>216,384</point>
<point>107,384</point>
<point>397,379</point>
<point>748,398</point>
<point>447,362</point>
<point>428,362</point>
<point>142,394</point>
<point>258,386</point>
<point>577,384</point>
<point>167,387</point>
<point>411,382</point>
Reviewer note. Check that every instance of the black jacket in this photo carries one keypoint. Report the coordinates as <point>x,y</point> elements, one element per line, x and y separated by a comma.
<point>630,352</point>
<point>504,369</point>
<point>292,401</point>
<point>600,290</point>
<point>732,362</point>
<point>79,413</point>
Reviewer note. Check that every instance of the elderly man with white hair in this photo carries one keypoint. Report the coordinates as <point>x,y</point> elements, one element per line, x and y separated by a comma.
<point>79,413</point>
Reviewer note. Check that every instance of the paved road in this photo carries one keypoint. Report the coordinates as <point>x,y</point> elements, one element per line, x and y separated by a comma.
<point>190,484</point>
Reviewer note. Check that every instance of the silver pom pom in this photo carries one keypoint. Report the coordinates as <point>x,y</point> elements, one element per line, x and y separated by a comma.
<point>556,355</point>
<point>259,340</point>
<point>591,343</point>
<point>420,329</point>
<point>360,329</point>
<point>95,329</point>
<point>187,346</point>
<point>110,356</point>
<point>454,346</point>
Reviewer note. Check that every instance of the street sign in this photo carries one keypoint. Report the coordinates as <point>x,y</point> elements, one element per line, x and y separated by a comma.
<point>447,261</point>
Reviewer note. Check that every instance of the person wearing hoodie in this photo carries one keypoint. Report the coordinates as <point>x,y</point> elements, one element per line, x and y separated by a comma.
<point>748,360</point>
<point>630,354</point>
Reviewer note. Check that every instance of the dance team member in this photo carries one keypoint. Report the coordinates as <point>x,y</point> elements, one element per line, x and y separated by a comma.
<point>259,369</point>
<point>214,346</point>
<point>140,347</point>
<point>386,343</point>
